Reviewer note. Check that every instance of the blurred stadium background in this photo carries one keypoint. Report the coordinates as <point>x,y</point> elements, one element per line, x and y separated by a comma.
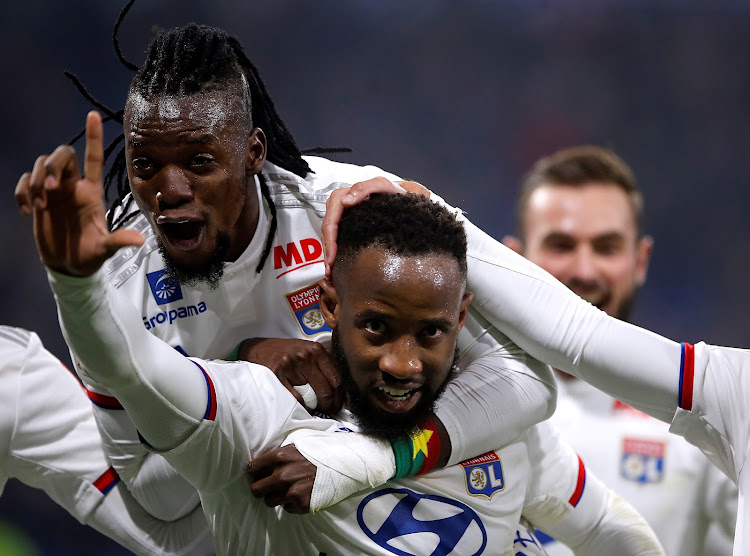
<point>462,96</point>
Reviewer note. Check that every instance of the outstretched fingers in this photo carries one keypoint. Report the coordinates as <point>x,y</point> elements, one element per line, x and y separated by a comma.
<point>93,160</point>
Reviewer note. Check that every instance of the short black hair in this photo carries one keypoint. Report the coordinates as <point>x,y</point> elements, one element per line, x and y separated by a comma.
<point>408,224</point>
<point>579,166</point>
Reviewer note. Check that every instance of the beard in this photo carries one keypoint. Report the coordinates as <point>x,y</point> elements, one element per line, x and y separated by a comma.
<point>209,273</point>
<point>374,421</point>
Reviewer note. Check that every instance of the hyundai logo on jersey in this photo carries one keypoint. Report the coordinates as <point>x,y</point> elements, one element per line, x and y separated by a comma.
<point>305,304</point>
<point>484,475</point>
<point>410,524</point>
<point>165,290</point>
<point>642,460</point>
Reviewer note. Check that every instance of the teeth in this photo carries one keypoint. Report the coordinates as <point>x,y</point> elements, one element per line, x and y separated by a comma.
<point>162,219</point>
<point>394,392</point>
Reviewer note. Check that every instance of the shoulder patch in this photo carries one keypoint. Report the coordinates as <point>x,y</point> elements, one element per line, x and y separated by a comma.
<point>305,305</point>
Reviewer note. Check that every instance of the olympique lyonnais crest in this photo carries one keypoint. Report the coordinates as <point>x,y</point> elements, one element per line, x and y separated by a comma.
<point>484,475</point>
<point>305,304</point>
<point>642,460</point>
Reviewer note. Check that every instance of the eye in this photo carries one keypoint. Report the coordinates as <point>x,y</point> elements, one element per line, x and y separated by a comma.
<point>202,159</point>
<point>142,164</point>
<point>374,326</point>
<point>433,331</point>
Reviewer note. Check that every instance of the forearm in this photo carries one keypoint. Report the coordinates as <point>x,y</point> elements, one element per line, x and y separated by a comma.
<point>499,393</point>
<point>163,392</point>
<point>621,531</point>
<point>556,326</point>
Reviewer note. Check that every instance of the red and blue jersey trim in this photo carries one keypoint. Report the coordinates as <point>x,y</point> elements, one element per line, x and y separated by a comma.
<point>107,480</point>
<point>687,374</point>
<point>211,404</point>
<point>103,401</point>
<point>580,484</point>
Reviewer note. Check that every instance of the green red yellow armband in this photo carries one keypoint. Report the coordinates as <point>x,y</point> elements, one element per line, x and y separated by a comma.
<point>418,452</point>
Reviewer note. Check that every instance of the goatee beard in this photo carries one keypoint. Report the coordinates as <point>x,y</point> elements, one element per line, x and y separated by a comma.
<point>209,274</point>
<point>374,421</point>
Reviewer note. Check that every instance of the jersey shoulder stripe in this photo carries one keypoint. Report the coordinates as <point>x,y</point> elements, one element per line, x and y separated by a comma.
<point>107,480</point>
<point>580,484</point>
<point>687,373</point>
<point>210,414</point>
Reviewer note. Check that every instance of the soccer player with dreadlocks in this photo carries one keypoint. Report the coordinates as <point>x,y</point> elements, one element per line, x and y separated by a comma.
<point>231,216</point>
<point>397,306</point>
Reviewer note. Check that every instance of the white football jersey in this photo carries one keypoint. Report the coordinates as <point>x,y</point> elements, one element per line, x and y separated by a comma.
<point>281,301</point>
<point>49,440</point>
<point>669,481</point>
<point>470,508</point>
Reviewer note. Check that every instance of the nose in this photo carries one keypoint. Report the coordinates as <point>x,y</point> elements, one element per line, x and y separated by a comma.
<point>401,359</point>
<point>583,266</point>
<point>174,188</point>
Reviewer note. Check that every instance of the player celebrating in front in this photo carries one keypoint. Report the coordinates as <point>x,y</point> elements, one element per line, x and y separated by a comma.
<point>397,306</point>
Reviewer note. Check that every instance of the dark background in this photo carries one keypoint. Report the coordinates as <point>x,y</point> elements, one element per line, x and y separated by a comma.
<point>462,96</point>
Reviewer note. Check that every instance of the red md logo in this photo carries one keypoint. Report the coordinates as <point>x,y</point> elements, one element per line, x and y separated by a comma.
<point>297,254</point>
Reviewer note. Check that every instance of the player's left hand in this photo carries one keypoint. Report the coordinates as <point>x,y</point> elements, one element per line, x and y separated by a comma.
<point>283,477</point>
<point>347,197</point>
<point>297,363</point>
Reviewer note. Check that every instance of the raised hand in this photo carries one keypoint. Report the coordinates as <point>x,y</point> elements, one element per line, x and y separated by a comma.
<point>70,226</point>
<point>347,197</point>
<point>296,363</point>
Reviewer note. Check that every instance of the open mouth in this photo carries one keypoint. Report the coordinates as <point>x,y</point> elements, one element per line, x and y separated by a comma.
<point>184,234</point>
<point>397,400</point>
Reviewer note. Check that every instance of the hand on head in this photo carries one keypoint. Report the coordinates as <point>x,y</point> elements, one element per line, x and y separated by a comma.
<point>343,198</point>
<point>70,226</point>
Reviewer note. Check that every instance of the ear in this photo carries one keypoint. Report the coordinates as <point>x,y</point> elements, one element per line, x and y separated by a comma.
<point>643,256</point>
<point>256,151</point>
<point>464,310</point>
<point>513,243</point>
<point>329,302</point>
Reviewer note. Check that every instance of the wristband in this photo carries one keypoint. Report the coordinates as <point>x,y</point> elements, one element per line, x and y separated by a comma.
<point>418,452</point>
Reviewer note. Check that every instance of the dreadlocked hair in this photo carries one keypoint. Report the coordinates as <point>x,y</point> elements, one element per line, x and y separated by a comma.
<point>188,60</point>
<point>408,224</point>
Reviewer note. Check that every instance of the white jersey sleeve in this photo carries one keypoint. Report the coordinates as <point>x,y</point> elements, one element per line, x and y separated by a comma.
<point>557,327</point>
<point>499,392</point>
<point>714,415</point>
<point>48,440</point>
<point>566,500</point>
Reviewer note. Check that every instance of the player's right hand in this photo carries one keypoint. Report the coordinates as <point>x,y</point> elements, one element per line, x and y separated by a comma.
<point>350,196</point>
<point>70,226</point>
<point>296,363</point>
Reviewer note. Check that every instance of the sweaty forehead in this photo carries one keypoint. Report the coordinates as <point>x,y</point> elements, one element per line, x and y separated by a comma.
<point>209,112</point>
<point>375,268</point>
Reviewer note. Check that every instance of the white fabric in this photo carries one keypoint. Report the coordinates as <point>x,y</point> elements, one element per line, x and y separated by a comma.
<point>670,482</point>
<point>308,395</point>
<point>345,464</point>
<point>471,508</point>
<point>49,440</point>
<point>636,366</point>
<point>488,406</point>
<point>719,423</point>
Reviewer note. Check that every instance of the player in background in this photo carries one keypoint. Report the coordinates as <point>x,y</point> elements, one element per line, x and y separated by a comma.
<point>579,217</point>
<point>49,441</point>
<point>231,215</point>
<point>397,310</point>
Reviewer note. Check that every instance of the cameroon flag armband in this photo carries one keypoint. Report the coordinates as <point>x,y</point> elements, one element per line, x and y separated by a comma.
<point>418,452</point>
